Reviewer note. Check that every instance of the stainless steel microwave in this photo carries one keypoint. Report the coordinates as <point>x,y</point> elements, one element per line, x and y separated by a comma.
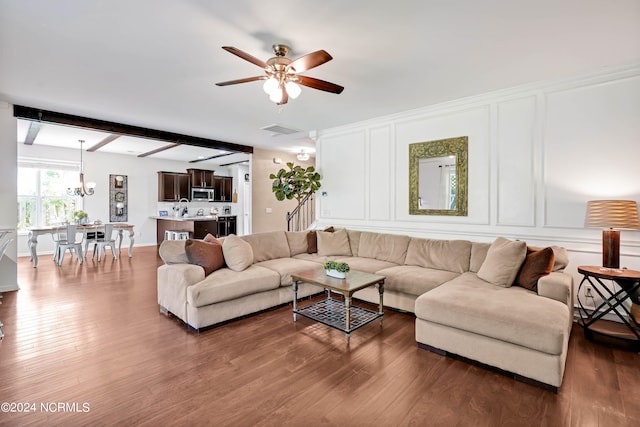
<point>202,194</point>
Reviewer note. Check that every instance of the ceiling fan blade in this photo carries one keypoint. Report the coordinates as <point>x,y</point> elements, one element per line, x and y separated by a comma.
<point>310,60</point>
<point>244,55</point>
<point>246,80</point>
<point>319,84</point>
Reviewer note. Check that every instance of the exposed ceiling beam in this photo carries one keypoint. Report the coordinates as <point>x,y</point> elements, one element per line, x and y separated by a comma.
<point>157,150</point>
<point>34,128</point>
<point>104,142</point>
<point>236,163</point>
<point>29,113</point>
<point>210,157</point>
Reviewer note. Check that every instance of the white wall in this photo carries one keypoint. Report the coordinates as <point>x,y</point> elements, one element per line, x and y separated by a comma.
<point>8,200</point>
<point>537,154</point>
<point>142,188</point>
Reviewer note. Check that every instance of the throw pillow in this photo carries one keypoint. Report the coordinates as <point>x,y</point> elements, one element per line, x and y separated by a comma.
<point>336,243</point>
<point>237,253</point>
<point>210,238</point>
<point>297,242</point>
<point>312,240</point>
<point>207,255</point>
<point>537,264</point>
<point>503,261</point>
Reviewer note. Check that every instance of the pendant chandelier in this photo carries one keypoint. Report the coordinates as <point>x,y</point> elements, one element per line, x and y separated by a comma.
<point>82,189</point>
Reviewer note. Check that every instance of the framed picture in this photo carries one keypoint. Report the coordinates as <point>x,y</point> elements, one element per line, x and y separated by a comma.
<point>164,213</point>
<point>118,200</point>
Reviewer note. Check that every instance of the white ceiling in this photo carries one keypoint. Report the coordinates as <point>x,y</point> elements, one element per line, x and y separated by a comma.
<point>153,63</point>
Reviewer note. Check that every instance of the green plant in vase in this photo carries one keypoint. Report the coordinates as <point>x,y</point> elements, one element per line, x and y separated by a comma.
<point>80,217</point>
<point>336,269</point>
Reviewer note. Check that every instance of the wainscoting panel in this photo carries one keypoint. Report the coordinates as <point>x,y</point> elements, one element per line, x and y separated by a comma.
<point>342,166</point>
<point>516,123</point>
<point>592,147</point>
<point>380,178</point>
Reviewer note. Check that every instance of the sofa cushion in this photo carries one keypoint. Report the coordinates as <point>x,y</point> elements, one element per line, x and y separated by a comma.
<point>312,240</point>
<point>319,259</point>
<point>269,245</point>
<point>297,241</point>
<point>515,315</point>
<point>450,255</point>
<point>478,254</point>
<point>560,255</point>
<point>537,264</point>
<point>207,255</point>
<point>226,284</point>
<point>414,280</point>
<point>333,243</point>
<point>503,261</point>
<point>354,241</point>
<point>368,265</point>
<point>286,266</point>
<point>172,252</point>
<point>238,254</point>
<point>384,247</point>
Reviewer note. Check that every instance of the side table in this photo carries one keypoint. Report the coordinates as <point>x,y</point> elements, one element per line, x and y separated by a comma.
<point>592,320</point>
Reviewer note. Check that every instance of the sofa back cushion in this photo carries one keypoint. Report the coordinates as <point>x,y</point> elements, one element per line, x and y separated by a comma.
<point>297,242</point>
<point>269,245</point>
<point>384,247</point>
<point>449,255</point>
<point>503,261</point>
<point>354,241</point>
<point>478,254</point>
<point>336,243</point>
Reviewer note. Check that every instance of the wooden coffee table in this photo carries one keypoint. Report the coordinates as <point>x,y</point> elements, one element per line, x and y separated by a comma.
<point>333,312</point>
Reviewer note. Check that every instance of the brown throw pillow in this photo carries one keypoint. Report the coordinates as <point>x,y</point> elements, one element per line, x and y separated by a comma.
<point>207,255</point>
<point>537,264</point>
<point>312,240</point>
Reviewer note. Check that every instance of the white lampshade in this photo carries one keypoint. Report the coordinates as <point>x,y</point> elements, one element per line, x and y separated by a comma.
<point>91,185</point>
<point>293,89</point>
<point>276,95</point>
<point>270,85</point>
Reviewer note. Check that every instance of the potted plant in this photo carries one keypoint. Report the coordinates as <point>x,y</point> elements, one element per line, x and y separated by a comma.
<point>336,269</point>
<point>80,217</point>
<point>296,183</point>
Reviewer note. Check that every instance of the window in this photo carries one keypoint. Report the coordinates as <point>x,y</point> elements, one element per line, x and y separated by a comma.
<point>42,193</point>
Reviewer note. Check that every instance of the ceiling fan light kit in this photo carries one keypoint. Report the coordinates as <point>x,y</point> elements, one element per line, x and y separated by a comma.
<point>282,79</point>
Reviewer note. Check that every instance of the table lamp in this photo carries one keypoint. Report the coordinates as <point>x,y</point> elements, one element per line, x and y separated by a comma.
<point>612,215</point>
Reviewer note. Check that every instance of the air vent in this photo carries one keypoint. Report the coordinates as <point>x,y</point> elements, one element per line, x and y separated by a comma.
<point>280,130</point>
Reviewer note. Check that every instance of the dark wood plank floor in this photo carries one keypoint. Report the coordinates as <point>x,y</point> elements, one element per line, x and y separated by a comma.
<point>91,337</point>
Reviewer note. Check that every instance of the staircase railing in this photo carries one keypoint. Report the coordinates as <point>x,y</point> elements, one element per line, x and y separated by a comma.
<point>303,215</point>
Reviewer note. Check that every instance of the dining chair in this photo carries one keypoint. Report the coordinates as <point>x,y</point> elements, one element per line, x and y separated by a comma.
<point>67,239</point>
<point>106,241</point>
<point>91,238</point>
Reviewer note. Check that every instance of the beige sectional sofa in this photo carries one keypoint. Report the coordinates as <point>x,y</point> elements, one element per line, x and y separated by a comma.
<point>520,331</point>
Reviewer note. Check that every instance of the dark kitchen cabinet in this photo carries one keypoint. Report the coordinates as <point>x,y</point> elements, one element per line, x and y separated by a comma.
<point>201,178</point>
<point>173,186</point>
<point>202,228</point>
<point>223,186</point>
<point>226,225</point>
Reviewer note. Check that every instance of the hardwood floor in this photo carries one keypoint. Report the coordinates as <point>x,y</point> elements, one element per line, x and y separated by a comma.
<point>90,336</point>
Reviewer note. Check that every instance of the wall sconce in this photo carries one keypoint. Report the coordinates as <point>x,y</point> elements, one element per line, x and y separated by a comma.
<point>611,215</point>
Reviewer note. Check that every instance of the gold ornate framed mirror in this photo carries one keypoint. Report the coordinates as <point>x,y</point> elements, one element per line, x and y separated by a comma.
<point>438,172</point>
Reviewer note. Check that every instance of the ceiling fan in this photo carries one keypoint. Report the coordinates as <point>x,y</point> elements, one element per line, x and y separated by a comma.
<point>282,78</point>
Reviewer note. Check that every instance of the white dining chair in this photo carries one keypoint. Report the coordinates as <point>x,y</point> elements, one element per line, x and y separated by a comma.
<point>91,238</point>
<point>106,241</point>
<point>67,240</point>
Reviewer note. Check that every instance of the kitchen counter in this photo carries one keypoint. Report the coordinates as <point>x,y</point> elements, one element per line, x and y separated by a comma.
<point>197,226</point>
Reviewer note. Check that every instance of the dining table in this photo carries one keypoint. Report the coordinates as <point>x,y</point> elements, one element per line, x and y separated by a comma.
<point>34,232</point>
